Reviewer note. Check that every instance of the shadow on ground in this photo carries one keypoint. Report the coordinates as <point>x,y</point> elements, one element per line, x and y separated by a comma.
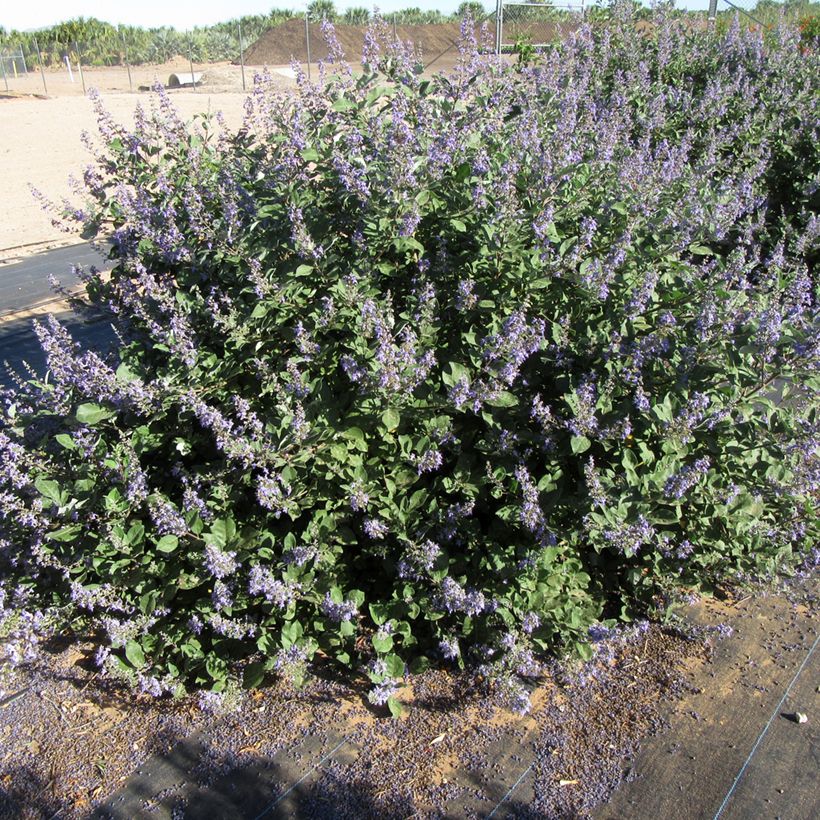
<point>196,781</point>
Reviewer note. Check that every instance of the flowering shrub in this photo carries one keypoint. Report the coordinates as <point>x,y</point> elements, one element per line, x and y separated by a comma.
<point>434,368</point>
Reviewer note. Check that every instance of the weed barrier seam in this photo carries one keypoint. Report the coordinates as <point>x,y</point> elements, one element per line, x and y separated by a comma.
<point>511,790</point>
<point>310,771</point>
<point>765,729</point>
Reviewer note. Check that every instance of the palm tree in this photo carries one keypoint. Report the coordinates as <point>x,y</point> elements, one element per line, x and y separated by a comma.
<point>356,16</point>
<point>322,10</point>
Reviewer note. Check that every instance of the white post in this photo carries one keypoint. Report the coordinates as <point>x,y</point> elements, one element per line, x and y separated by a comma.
<point>68,66</point>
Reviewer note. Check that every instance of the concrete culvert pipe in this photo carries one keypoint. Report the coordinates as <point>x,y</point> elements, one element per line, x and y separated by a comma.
<point>185,80</point>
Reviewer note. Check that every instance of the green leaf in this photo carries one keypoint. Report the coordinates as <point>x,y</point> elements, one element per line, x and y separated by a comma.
<point>189,580</point>
<point>222,532</point>
<point>382,643</point>
<point>133,651</point>
<point>126,374</point>
<point>192,649</point>
<point>394,706</point>
<point>417,499</point>
<point>50,489</point>
<point>580,444</point>
<point>454,373</point>
<point>93,414</point>
<point>168,543</point>
<point>343,104</point>
<point>65,440</point>
<point>458,225</point>
<point>503,399</point>
<point>253,675</point>
<point>419,665</point>
<point>391,419</point>
<point>216,667</point>
<point>148,602</point>
<point>65,533</point>
<point>291,632</point>
<point>664,515</point>
<point>135,534</point>
<point>395,666</point>
<point>584,650</point>
<point>379,613</point>
<point>700,250</point>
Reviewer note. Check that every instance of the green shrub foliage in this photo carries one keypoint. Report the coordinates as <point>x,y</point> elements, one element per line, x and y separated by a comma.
<point>421,368</point>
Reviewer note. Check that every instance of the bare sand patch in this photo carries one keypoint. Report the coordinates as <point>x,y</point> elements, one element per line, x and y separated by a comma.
<point>41,146</point>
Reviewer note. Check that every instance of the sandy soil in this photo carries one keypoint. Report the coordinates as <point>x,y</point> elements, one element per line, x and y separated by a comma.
<point>79,737</point>
<point>40,143</point>
<point>40,135</point>
<point>41,147</point>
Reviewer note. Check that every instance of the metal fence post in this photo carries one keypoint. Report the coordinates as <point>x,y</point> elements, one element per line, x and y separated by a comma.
<point>80,64</point>
<point>712,11</point>
<point>499,24</point>
<point>191,59</point>
<point>127,64</point>
<point>42,72</point>
<point>241,55</point>
<point>23,60</point>
<point>307,40</point>
<point>3,65</point>
<point>395,35</point>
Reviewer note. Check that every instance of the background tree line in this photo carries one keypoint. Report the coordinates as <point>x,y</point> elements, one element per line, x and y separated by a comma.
<point>105,44</point>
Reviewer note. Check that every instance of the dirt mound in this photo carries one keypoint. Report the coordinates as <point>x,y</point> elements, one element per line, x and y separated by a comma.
<point>286,42</point>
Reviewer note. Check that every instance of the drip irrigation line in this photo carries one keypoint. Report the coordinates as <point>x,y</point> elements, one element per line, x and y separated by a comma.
<point>309,772</point>
<point>743,11</point>
<point>13,697</point>
<point>765,728</point>
<point>511,790</point>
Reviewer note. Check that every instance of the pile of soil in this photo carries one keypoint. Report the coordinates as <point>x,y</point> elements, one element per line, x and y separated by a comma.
<point>286,42</point>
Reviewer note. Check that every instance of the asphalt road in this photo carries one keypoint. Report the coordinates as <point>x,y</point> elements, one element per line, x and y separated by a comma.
<point>25,284</point>
<point>19,345</point>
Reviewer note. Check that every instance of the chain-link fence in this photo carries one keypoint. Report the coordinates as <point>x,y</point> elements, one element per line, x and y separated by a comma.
<point>12,64</point>
<point>130,60</point>
<point>120,61</point>
<point>537,24</point>
<point>113,62</point>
